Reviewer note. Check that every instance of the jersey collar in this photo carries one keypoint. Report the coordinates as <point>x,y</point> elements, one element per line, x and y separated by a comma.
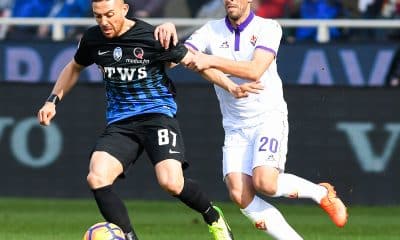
<point>240,27</point>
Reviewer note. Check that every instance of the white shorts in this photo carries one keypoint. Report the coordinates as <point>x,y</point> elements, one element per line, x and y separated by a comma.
<point>262,145</point>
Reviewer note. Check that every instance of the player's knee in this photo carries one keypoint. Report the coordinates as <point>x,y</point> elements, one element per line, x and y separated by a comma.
<point>264,186</point>
<point>172,185</point>
<point>238,197</point>
<point>96,180</point>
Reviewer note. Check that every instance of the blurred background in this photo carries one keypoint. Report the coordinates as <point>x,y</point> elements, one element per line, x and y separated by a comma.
<point>339,61</point>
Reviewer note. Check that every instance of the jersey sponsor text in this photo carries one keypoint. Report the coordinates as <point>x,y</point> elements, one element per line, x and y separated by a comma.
<point>126,74</point>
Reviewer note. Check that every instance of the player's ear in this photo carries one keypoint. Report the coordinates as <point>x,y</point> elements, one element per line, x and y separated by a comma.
<point>126,9</point>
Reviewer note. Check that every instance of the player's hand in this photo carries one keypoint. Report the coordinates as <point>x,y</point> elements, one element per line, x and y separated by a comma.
<point>46,113</point>
<point>165,33</point>
<point>244,89</point>
<point>200,61</point>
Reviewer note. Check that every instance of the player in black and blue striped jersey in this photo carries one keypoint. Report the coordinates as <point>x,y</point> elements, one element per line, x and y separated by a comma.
<point>140,111</point>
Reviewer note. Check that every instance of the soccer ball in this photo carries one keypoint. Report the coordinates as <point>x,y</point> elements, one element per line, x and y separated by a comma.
<point>104,231</point>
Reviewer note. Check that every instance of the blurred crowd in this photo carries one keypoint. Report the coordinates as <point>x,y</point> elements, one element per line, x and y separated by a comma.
<point>292,9</point>
<point>64,9</point>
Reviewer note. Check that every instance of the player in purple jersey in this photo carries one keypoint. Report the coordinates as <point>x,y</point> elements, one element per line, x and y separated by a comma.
<point>140,111</point>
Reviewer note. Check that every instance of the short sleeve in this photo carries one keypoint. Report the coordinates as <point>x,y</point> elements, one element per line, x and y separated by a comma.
<point>270,36</point>
<point>82,55</point>
<point>198,40</point>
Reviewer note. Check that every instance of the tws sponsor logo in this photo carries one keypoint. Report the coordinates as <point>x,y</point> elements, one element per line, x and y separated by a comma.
<point>125,74</point>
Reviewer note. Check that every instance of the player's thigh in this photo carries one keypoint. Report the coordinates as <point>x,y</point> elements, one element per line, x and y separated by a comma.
<point>270,143</point>
<point>237,153</point>
<point>105,167</point>
<point>162,139</point>
<point>119,142</point>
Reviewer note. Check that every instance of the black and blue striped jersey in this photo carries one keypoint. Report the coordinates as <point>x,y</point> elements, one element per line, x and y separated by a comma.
<point>133,67</point>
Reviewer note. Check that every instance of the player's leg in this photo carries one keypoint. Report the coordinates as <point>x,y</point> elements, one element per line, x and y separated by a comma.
<point>240,188</point>
<point>170,177</point>
<point>164,144</point>
<point>268,219</point>
<point>263,215</point>
<point>268,177</point>
<point>269,181</point>
<point>103,171</point>
<point>113,153</point>
<point>237,169</point>
<point>269,152</point>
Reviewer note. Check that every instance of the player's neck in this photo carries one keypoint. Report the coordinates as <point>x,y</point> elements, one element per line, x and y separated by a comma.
<point>128,24</point>
<point>239,21</point>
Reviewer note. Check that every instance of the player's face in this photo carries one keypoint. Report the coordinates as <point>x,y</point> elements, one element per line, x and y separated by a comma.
<point>110,16</point>
<point>237,9</point>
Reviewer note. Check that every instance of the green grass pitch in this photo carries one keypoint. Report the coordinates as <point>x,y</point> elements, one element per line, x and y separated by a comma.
<point>56,219</point>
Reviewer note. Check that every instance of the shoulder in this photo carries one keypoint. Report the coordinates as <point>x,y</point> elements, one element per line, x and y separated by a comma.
<point>93,33</point>
<point>216,24</point>
<point>140,32</point>
<point>212,27</point>
<point>267,23</point>
<point>143,26</point>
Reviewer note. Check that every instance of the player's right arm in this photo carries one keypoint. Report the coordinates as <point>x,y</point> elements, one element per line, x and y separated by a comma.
<point>181,54</point>
<point>219,78</point>
<point>266,47</point>
<point>66,80</point>
<point>251,70</point>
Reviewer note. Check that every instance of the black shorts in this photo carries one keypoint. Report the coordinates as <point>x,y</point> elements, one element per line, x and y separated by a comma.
<point>158,134</point>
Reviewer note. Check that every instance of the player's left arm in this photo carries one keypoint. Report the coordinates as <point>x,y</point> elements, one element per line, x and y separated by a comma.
<point>250,70</point>
<point>167,35</point>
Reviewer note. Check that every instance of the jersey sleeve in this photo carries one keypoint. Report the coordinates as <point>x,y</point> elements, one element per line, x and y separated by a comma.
<point>82,54</point>
<point>174,54</point>
<point>198,40</point>
<point>270,37</point>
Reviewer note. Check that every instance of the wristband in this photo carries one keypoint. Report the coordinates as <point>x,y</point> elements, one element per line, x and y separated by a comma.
<point>53,98</point>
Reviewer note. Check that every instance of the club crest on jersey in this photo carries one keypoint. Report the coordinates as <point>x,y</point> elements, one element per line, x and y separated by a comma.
<point>224,44</point>
<point>253,40</point>
<point>117,54</point>
<point>138,52</point>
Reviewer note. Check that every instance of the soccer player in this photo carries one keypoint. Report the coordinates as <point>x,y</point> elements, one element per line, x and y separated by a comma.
<point>245,46</point>
<point>140,112</point>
